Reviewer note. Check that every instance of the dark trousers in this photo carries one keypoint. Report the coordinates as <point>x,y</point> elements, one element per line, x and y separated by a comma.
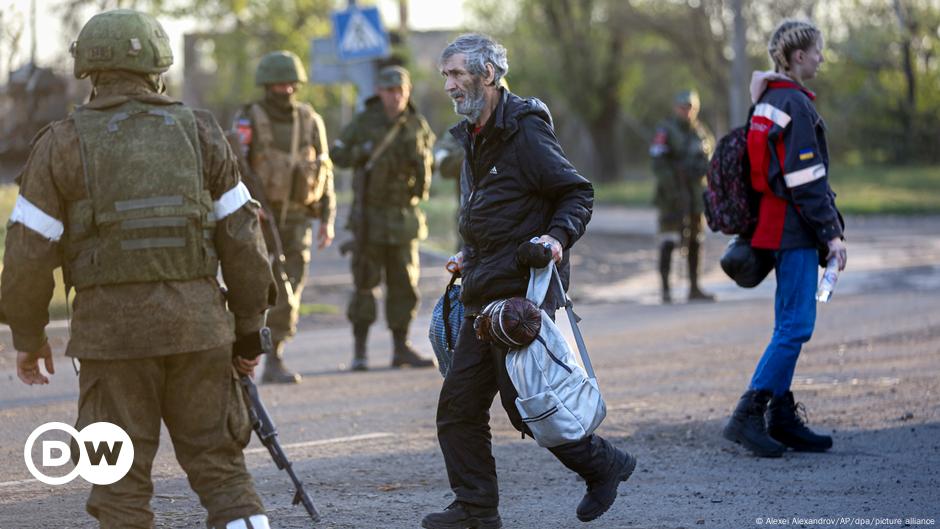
<point>463,430</point>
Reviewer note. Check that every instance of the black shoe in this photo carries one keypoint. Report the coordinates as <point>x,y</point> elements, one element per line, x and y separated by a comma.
<point>666,297</point>
<point>785,423</point>
<point>459,515</point>
<point>276,373</point>
<point>746,426</point>
<point>601,494</point>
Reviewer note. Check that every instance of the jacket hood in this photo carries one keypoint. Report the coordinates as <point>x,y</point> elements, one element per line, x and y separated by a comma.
<point>759,82</point>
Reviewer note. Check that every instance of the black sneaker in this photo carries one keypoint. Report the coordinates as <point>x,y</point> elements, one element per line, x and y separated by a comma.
<point>786,424</point>
<point>601,494</point>
<point>459,515</point>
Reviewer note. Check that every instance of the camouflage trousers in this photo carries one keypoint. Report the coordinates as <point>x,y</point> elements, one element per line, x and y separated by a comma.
<point>401,267</point>
<point>297,238</point>
<point>208,438</point>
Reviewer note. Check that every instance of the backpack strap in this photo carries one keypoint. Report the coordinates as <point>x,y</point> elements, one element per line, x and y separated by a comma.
<point>573,319</point>
<point>447,310</point>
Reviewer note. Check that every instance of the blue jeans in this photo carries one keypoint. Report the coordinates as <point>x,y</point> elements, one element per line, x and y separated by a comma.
<point>794,319</point>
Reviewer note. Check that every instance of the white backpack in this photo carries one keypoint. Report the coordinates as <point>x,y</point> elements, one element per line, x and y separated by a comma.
<point>558,399</point>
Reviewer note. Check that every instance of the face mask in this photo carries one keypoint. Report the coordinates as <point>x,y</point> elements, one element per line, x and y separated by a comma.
<point>279,101</point>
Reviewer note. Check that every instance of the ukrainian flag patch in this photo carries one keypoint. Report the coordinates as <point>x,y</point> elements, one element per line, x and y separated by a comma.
<point>806,154</point>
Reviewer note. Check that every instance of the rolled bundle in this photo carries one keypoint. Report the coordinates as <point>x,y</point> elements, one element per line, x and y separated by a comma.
<point>513,323</point>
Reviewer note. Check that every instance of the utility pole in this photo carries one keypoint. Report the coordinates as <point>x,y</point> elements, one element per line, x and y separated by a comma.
<point>403,21</point>
<point>32,32</point>
<point>737,104</point>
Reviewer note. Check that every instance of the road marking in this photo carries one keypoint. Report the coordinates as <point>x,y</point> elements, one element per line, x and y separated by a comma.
<point>18,482</point>
<point>321,442</point>
<point>335,440</point>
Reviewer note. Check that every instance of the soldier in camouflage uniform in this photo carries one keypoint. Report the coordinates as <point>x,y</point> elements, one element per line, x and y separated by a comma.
<point>400,178</point>
<point>680,152</point>
<point>138,198</point>
<point>285,144</point>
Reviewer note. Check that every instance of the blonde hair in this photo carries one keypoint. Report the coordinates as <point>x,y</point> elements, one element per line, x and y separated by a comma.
<point>790,36</point>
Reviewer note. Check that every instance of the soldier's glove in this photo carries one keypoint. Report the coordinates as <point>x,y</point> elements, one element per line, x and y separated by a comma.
<point>533,255</point>
<point>251,345</point>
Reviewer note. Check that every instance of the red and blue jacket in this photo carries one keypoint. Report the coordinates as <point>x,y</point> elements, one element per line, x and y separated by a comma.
<point>786,146</point>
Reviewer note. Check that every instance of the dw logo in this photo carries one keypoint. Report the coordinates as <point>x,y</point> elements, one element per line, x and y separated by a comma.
<point>105,453</point>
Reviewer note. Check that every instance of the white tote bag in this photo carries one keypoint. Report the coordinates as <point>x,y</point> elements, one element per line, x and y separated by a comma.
<point>558,399</point>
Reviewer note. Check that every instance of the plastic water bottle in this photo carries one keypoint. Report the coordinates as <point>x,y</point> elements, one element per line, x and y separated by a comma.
<point>828,282</point>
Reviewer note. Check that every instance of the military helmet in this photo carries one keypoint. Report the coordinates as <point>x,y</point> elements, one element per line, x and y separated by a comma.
<point>122,39</point>
<point>280,67</point>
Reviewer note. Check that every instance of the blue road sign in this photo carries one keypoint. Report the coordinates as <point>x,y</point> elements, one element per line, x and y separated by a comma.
<point>359,34</point>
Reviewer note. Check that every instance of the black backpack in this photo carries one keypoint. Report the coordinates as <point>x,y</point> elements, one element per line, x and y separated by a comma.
<point>731,204</point>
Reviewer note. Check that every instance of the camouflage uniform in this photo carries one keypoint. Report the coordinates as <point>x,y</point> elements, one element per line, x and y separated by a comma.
<point>399,180</point>
<point>297,190</point>
<point>149,346</point>
<point>680,151</point>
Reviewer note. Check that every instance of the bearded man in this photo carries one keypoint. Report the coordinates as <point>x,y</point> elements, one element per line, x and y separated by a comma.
<point>516,185</point>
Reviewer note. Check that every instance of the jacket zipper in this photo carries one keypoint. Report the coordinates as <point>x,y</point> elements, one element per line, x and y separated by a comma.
<point>473,181</point>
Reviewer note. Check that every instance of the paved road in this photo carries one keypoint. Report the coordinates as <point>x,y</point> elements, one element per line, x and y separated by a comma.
<point>365,442</point>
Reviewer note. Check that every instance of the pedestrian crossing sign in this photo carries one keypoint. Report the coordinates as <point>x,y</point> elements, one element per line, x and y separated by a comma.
<point>359,34</point>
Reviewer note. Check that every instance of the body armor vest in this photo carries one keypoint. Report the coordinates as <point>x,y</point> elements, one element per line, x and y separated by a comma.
<point>148,216</point>
<point>296,176</point>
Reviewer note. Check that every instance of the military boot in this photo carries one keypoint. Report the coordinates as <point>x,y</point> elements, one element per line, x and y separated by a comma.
<point>403,354</point>
<point>665,262</point>
<point>746,426</point>
<point>601,494</point>
<point>460,515</point>
<point>360,336</point>
<point>695,293</point>
<point>785,423</point>
<point>275,372</point>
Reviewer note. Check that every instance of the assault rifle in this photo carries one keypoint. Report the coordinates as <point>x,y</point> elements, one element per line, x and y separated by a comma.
<point>272,238</point>
<point>267,432</point>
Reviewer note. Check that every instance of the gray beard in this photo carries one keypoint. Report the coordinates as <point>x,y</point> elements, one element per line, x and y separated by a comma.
<point>473,102</point>
<point>470,107</point>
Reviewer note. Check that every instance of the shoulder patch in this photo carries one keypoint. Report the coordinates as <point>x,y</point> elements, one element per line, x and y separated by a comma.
<point>243,129</point>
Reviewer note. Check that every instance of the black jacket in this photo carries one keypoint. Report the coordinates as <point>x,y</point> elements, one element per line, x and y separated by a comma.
<point>518,184</point>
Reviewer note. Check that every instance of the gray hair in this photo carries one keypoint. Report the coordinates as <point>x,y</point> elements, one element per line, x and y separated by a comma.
<point>479,50</point>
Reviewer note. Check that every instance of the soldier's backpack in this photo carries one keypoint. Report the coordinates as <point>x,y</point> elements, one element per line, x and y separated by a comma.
<point>731,204</point>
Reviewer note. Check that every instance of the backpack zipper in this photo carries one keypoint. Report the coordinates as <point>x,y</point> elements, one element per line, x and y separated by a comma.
<point>553,357</point>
